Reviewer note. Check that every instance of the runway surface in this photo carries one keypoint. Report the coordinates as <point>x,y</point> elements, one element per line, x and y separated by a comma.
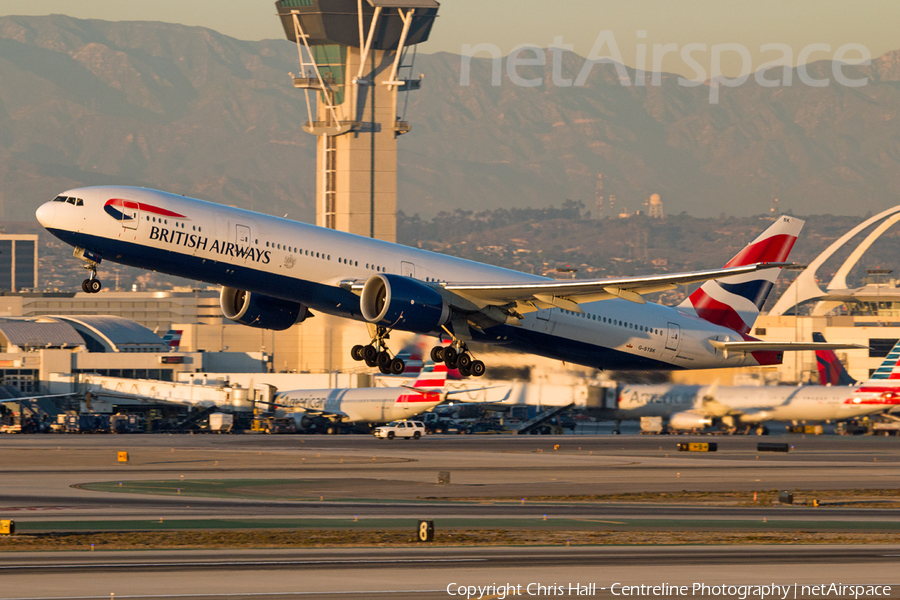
<point>319,481</point>
<point>424,573</point>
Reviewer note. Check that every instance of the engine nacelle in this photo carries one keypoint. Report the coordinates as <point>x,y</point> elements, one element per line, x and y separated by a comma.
<point>688,420</point>
<point>262,312</point>
<point>403,303</point>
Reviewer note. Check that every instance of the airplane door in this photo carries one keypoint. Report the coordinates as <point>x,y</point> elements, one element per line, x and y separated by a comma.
<point>408,269</point>
<point>131,214</point>
<point>673,338</point>
<point>242,235</point>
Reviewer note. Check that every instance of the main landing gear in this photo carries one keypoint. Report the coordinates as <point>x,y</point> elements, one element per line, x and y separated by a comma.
<point>377,354</point>
<point>457,356</point>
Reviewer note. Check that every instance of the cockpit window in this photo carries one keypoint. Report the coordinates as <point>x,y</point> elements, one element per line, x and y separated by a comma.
<point>79,202</point>
<point>70,200</point>
<point>59,199</point>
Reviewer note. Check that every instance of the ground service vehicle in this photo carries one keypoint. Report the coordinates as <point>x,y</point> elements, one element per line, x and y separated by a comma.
<point>404,429</point>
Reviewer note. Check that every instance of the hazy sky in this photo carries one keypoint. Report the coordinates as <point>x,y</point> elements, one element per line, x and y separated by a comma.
<point>508,23</point>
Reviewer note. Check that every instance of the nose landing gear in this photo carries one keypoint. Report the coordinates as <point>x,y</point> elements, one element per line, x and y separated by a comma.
<point>377,354</point>
<point>91,285</point>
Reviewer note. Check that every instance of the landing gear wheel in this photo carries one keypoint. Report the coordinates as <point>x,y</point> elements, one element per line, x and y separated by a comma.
<point>383,359</point>
<point>370,353</point>
<point>465,371</point>
<point>449,355</point>
<point>451,364</point>
<point>84,286</point>
<point>397,366</point>
<point>385,369</point>
<point>95,286</point>
<point>477,367</point>
<point>464,361</point>
<point>357,352</point>
<point>370,362</point>
<point>437,354</point>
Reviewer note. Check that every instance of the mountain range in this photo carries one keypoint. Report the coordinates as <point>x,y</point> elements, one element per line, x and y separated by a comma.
<point>188,110</point>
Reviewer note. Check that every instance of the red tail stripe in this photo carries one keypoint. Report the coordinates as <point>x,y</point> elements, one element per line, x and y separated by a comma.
<point>429,382</point>
<point>773,249</point>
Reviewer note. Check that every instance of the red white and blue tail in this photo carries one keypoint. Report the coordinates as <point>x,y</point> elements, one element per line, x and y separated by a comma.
<point>890,368</point>
<point>736,301</point>
<point>831,369</point>
<point>433,375</point>
<point>172,339</point>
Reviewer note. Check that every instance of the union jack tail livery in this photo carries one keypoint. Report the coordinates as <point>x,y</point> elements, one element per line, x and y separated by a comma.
<point>831,370</point>
<point>736,301</point>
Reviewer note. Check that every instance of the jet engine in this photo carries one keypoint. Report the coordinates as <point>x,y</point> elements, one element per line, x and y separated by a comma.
<point>262,312</point>
<point>403,303</point>
<point>687,420</point>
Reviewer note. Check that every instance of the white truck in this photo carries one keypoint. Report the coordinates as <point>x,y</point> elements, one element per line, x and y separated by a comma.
<point>400,429</point>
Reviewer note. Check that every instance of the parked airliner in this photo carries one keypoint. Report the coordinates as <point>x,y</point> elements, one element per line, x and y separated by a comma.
<point>688,407</point>
<point>369,405</point>
<point>275,273</point>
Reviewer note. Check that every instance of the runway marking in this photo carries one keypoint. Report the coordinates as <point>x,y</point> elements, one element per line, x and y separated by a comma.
<point>599,521</point>
<point>239,563</point>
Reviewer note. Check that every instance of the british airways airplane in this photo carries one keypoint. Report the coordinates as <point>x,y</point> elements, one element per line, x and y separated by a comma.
<point>276,273</point>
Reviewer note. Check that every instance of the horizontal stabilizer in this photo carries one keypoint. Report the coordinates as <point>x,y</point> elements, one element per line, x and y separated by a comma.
<point>759,346</point>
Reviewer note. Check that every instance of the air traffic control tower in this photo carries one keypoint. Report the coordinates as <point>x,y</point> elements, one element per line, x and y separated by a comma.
<point>356,58</point>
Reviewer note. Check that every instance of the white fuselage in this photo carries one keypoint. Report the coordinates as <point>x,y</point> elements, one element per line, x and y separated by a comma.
<point>358,405</point>
<point>314,266</point>
<point>753,404</point>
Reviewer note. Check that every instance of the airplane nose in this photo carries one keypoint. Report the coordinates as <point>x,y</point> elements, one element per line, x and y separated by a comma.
<point>45,214</point>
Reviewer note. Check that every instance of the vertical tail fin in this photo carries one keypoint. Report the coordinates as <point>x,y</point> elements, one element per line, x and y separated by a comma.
<point>432,376</point>
<point>831,370</point>
<point>172,339</point>
<point>890,368</point>
<point>735,302</point>
<point>413,355</point>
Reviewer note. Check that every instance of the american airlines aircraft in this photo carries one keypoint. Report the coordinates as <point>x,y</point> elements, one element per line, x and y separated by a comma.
<point>274,273</point>
<point>370,405</point>
<point>689,407</point>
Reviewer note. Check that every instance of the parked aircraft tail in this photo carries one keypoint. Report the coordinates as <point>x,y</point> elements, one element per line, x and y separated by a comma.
<point>736,301</point>
<point>890,368</point>
<point>415,353</point>
<point>432,375</point>
<point>172,339</point>
<point>831,369</point>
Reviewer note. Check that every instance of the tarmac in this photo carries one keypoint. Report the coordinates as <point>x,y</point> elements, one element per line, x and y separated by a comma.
<point>75,483</point>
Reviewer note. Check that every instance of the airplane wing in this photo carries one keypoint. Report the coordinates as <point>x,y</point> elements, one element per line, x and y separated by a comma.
<point>758,346</point>
<point>567,294</point>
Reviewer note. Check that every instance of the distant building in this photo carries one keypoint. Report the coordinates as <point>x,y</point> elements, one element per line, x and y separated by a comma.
<point>18,262</point>
<point>655,207</point>
<point>600,197</point>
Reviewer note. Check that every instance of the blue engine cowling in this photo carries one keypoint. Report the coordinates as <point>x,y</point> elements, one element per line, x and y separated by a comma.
<point>262,312</point>
<point>403,303</point>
